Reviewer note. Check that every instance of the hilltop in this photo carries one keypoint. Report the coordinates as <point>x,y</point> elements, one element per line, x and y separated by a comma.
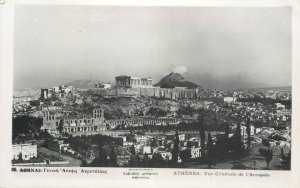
<point>173,80</point>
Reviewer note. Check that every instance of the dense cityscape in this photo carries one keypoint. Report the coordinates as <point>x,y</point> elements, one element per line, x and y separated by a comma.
<point>133,122</point>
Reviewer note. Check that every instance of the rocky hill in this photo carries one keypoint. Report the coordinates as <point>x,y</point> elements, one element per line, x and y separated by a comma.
<point>173,80</point>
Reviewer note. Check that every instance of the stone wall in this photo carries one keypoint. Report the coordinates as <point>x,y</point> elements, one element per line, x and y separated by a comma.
<point>176,93</point>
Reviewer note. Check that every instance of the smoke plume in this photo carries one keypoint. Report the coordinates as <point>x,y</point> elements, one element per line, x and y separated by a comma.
<point>180,69</point>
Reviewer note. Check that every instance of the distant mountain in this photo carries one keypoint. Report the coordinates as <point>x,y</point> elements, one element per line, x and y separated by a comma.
<point>83,84</point>
<point>173,80</point>
<point>278,89</point>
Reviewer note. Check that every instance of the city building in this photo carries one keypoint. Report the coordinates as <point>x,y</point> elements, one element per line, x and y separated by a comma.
<point>229,99</point>
<point>56,122</point>
<point>24,151</point>
<point>147,150</point>
<point>102,86</point>
<point>58,91</point>
<point>141,139</point>
<point>46,93</point>
<point>280,106</point>
<point>244,131</point>
<point>195,152</point>
<point>181,137</point>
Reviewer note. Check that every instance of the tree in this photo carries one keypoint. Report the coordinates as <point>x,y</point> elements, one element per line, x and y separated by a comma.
<point>210,151</point>
<point>34,103</point>
<point>162,128</point>
<point>153,142</point>
<point>60,126</point>
<point>248,132</point>
<point>101,159</point>
<point>145,161</point>
<point>113,157</point>
<point>132,149</point>
<point>186,110</point>
<point>221,148</point>
<point>25,124</point>
<point>268,156</point>
<point>286,161</point>
<point>20,156</point>
<point>175,150</point>
<point>123,126</point>
<point>157,112</point>
<point>157,160</point>
<point>185,155</point>
<point>83,163</point>
<point>222,144</point>
<point>202,132</point>
<point>237,142</point>
<point>226,136</point>
<point>189,144</point>
<point>134,161</point>
<point>52,145</point>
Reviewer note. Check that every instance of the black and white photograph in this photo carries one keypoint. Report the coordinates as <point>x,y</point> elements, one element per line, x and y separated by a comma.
<point>152,87</point>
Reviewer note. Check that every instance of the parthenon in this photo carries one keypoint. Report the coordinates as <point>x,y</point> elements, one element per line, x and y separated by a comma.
<point>128,81</point>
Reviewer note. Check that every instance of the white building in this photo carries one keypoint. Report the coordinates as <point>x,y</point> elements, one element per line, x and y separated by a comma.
<point>59,91</point>
<point>280,106</point>
<point>229,99</point>
<point>166,155</point>
<point>103,86</point>
<point>67,89</point>
<point>195,152</point>
<point>114,133</point>
<point>139,148</point>
<point>141,139</point>
<point>244,131</point>
<point>257,130</point>
<point>146,149</point>
<point>55,89</point>
<point>24,151</point>
<point>181,137</point>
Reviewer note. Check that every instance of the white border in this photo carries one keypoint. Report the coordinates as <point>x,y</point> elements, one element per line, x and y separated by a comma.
<point>116,179</point>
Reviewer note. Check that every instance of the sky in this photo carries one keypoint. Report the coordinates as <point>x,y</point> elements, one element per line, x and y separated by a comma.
<point>216,47</point>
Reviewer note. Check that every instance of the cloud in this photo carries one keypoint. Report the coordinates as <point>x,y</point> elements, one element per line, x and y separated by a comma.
<point>180,69</point>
